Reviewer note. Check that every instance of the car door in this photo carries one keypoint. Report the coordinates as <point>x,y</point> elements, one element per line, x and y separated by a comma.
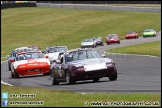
<point>60,67</point>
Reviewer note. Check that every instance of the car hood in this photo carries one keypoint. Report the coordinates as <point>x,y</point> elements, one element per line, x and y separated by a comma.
<point>92,64</point>
<point>53,56</point>
<point>87,43</point>
<point>130,34</point>
<point>148,33</point>
<point>36,61</point>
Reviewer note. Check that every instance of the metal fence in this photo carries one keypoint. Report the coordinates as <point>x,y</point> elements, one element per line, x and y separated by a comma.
<point>100,7</point>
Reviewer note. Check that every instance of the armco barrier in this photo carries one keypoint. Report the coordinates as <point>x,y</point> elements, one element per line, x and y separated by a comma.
<point>100,7</point>
<point>16,5</point>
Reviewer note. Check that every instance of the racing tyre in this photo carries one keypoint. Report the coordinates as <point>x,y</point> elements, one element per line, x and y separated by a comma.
<point>68,78</point>
<point>9,68</point>
<point>16,75</point>
<point>96,79</point>
<point>107,43</point>
<point>102,44</point>
<point>53,81</point>
<point>119,42</point>
<point>12,75</point>
<point>113,77</point>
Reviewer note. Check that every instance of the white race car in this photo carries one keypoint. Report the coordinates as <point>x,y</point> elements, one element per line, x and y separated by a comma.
<point>53,51</point>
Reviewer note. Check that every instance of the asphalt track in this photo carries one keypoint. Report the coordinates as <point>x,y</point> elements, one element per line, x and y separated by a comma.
<point>135,73</point>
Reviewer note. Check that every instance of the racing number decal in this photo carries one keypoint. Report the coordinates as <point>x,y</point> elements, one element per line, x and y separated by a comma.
<point>59,71</point>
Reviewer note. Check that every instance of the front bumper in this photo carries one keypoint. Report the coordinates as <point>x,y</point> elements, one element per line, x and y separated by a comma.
<point>82,75</point>
<point>33,70</point>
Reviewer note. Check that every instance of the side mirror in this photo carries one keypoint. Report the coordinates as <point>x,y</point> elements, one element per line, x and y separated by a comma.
<point>58,61</point>
<point>103,55</point>
<point>11,60</point>
<point>7,56</point>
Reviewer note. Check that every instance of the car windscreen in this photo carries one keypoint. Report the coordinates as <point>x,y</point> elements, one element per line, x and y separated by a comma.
<point>112,37</point>
<point>131,32</point>
<point>88,40</point>
<point>33,55</point>
<point>57,49</point>
<point>149,30</point>
<point>81,55</point>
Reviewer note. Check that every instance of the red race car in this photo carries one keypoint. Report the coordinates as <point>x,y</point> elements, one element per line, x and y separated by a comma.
<point>29,63</point>
<point>131,35</point>
<point>112,38</point>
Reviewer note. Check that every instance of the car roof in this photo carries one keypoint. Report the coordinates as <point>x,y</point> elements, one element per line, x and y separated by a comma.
<point>79,49</point>
<point>56,46</point>
<point>112,35</point>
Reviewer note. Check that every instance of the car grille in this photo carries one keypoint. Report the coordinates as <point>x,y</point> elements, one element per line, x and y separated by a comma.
<point>101,73</point>
<point>33,70</point>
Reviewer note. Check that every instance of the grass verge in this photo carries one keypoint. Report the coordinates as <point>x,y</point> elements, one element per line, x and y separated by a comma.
<point>56,98</point>
<point>54,26</point>
<point>149,48</point>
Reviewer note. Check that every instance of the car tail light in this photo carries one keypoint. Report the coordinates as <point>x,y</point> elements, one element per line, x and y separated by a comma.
<point>11,60</point>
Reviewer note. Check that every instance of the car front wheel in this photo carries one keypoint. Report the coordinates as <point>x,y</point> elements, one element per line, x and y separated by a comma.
<point>68,78</point>
<point>16,75</point>
<point>113,77</point>
<point>53,81</point>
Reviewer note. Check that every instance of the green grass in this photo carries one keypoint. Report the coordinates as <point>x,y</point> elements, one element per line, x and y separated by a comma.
<point>54,26</point>
<point>149,48</point>
<point>58,98</point>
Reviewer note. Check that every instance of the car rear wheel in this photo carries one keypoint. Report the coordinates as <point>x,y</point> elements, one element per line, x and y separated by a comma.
<point>113,77</point>
<point>96,79</point>
<point>119,42</point>
<point>68,78</point>
<point>53,81</point>
<point>107,43</point>
<point>9,68</point>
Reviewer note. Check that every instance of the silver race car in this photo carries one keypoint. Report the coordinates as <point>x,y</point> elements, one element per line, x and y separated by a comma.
<point>88,43</point>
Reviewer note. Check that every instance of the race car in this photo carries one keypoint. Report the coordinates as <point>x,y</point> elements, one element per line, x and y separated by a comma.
<point>149,32</point>
<point>99,41</point>
<point>88,43</point>
<point>53,51</point>
<point>35,48</point>
<point>29,63</point>
<point>112,38</point>
<point>82,64</point>
<point>131,34</point>
<point>14,52</point>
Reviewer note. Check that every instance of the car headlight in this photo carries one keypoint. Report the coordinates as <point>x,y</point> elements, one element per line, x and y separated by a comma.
<point>80,68</point>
